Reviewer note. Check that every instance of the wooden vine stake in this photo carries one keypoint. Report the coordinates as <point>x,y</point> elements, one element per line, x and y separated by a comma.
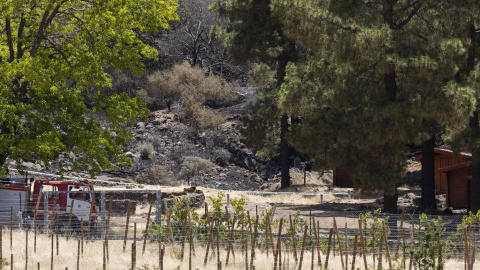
<point>90,218</point>
<point>329,245</point>
<point>35,222</point>
<point>354,251</point>
<point>126,225</point>
<point>373,248</point>
<point>184,236</point>
<point>387,249</point>
<point>380,253</point>
<point>411,243</point>
<point>161,251</point>
<point>292,228</point>
<point>339,242</point>
<point>317,241</point>
<point>210,237</point>
<point>228,235</point>
<point>56,232</point>
<point>104,257</point>
<point>362,242</point>
<point>439,242</point>
<point>1,242</point>
<point>134,262</point>
<point>303,247</point>
<point>270,232</point>
<point>209,234</point>
<point>145,236</point>
<point>81,236</point>
<point>467,252</point>
<point>404,248</point>
<point>267,221</point>
<point>107,232</point>
<point>245,245</point>
<point>11,227</point>
<point>254,241</point>
<point>78,255</point>
<point>26,249</point>
<point>243,236</point>
<point>219,263</point>
<point>51,255</point>
<point>399,236</point>
<point>69,220</point>
<point>230,239</point>
<point>346,246</point>
<point>169,231</point>
<point>312,249</point>
<point>190,238</point>
<point>276,252</point>
<point>474,241</point>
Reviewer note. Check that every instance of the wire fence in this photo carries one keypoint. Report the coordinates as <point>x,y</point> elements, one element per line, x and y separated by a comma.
<point>213,234</point>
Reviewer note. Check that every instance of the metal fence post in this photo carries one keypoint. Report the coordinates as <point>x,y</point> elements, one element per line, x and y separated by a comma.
<point>159,208</point>
<point>102,209</point>
<point>349,195</point>
<point>45,208</point>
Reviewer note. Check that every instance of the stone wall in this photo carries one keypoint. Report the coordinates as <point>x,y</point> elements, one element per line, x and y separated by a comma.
<point>120,200</point>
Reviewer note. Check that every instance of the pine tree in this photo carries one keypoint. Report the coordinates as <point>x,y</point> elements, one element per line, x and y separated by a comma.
<point>257,35</point>
<point>375,82</point>
<point>467,80</point>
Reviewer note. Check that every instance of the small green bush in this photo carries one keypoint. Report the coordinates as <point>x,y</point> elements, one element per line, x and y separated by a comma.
<point>157,175</point>
<point>198,116</point>
<point>155,140</point>
<point>221,156</point>
<point>173,85</point>
<point>194,166</point>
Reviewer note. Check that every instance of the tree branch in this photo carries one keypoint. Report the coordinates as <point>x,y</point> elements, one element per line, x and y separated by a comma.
<point>20,49</point>
<point>9,39</point>
<point>410,16</point>
<point>59,51</point>
<point>400,10</point>
<point>46,21</point>
<point>40,33</point>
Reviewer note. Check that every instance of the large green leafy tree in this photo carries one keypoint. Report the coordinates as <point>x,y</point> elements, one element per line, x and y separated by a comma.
<point>53,56</point>
<point>376,82</point>
<point>256,34</point>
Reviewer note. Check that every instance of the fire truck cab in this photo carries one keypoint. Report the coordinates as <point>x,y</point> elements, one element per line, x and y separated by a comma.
<point>61,196</point>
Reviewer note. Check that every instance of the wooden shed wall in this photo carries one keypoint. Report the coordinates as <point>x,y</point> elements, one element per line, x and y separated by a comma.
<point>342,178</point>
<point>458,195</point>
<point>441,161</point>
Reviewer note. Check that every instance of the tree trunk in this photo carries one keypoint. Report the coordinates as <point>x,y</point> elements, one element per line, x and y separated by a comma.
<point>284,152</point>
<point>428,175</point>
<point>390,200</point>
<point>475,189</point>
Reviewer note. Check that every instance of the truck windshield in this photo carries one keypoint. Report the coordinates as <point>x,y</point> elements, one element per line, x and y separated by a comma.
<point>85,195</point>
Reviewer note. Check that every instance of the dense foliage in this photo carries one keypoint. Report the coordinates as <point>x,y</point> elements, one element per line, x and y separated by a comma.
<point>375,81</point>
<point>53,56</point>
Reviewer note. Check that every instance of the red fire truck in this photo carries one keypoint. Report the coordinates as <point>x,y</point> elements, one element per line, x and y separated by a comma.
<point>45,201</point>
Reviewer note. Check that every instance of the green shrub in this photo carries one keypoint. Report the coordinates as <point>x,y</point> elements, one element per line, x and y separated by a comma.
<point>221,156</point>
<point>194,166</point>
<point>156,175</point>
<point>430,242</point>
<point>155,140</point>
<point>199,117</point>
<point>169,86</point>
